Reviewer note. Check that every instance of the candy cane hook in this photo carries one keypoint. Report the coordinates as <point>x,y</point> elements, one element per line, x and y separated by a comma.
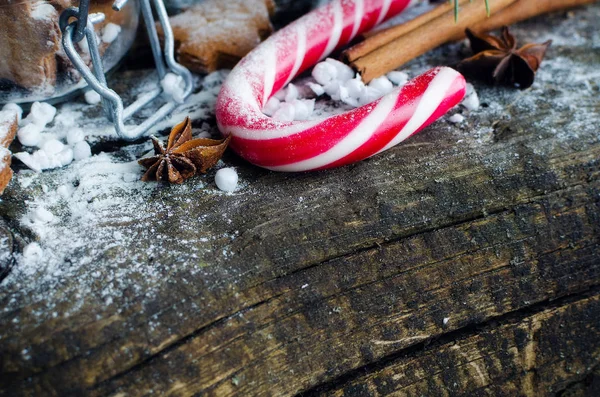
<point>337,140</point>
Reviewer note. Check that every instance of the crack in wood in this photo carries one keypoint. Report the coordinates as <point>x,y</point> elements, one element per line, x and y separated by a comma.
<point>455,335</point>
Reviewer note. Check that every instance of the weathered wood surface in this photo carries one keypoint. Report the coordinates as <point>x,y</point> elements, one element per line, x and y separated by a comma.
<point>338,282</point>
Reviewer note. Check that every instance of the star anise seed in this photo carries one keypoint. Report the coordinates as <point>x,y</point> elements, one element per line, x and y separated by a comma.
<point>498,59</point>
<point>183,157</point>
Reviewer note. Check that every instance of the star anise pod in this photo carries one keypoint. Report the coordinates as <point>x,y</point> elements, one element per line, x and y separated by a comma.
<point>498,59</point>
<point>183,156</point>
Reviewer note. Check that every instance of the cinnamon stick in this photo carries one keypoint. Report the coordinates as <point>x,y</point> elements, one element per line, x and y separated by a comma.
<point>385,36</point>
<point>422,39</point>
<point>438,28</point>
<point>522,10</point>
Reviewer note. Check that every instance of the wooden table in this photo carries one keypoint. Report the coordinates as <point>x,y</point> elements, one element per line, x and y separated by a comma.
<point>463,262</point>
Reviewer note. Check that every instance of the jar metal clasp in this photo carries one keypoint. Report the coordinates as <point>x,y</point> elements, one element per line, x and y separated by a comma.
<point>81,28</point>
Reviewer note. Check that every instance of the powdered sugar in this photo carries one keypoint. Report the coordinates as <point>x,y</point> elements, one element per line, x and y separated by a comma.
<point>173,87</point>
<point>110,32</point>
<point>92,97</point>
<point>335,79</point>
<point>13,107</point>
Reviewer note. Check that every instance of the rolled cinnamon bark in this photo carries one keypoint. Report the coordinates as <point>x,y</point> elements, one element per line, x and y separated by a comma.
<point>376,40</point>
<point>407,41</point>
<point>422,39</point>
<point>522,10</point>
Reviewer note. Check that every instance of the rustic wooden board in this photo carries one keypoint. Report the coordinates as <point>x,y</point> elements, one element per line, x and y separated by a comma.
<point>339,282</point>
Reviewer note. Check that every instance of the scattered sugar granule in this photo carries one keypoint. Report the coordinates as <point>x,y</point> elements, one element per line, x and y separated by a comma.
<point>41,113</point>
<point>85,46</point>
<point>65,157</point>
<point>64,191</point>
<point>333,89</point>
<point>110,32</point>
<point>355,87</point>
<point>286,112</point>
<point>303,108</point>
<point>30,135</point>
<point>226,179</point>
<point>316,88</point>
<point>92,97</point>
<point>291,93</point>
<point>398,78</point>
<point>272,106</point>
<point>343,71</point>
<point>42,215</point>
<point>382,84</point>
<point>471,101</point>
<point>324,73</point>
<point>75,135</point>
<point>456,118</point>
<point>174,87</point>
<point>15,108</point>
<point>29,161</point>
<point>53,146</point>
<point>369,96</point>
<point>33,252</point>
<point>81,150</point>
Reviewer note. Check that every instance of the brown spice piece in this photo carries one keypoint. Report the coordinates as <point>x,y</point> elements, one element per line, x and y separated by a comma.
<point>9,125</point>
<point>183,156</point>
<point>498,59</point>
<point>216,34</point>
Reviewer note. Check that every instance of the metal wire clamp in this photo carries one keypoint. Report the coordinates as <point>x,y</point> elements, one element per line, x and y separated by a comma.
<point>82,27</point>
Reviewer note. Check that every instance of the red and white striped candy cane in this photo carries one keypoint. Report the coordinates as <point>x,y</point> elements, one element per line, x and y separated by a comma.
<point>336,140</point>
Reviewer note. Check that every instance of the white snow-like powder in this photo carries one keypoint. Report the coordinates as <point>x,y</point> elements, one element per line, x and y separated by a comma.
<point>335,79</point>
<point>303,108</point>
<point>398,78</point>
<point>92,97</point>
<point>30,135</point>
<point>42,215</point>
<point>316,88</point>
<point>53,146</point>
<point>291,93</point>
<point>226,179</point>
<point>339,82</point>
<point>471,101</point>
<point>75,135</point>
<point>174,87</point>
<point>33,252</point>
<point>42,160</point>
<point>271,106</point>
<point>81,151</point>
<point>324,73</point>
<point>456,118</point>
<point>110,32</point>
<point>14,108</point>
<point>286,112</point>
<point>41,113</point>
<point>382,84</point>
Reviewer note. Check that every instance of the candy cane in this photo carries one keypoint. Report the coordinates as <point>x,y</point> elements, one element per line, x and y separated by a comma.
<point>336,140</point>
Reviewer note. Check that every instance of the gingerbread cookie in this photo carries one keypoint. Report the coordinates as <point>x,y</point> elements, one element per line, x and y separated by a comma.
<point>29,38</point>
<point>216,34</point>
<point>30,42</point>
<point>9,123</point>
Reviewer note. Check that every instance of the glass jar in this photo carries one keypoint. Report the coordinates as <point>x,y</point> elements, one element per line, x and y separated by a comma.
<point>33,64</point>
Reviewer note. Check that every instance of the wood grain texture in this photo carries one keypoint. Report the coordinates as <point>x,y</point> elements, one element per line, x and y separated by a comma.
<point>339,282</point>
